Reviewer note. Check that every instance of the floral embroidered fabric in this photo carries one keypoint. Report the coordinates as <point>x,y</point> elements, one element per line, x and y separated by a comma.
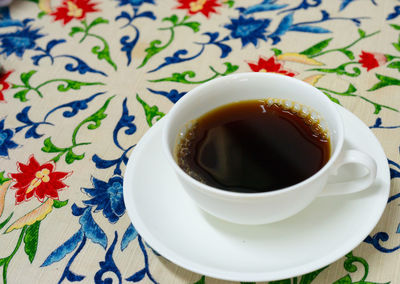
<point>81,81</point>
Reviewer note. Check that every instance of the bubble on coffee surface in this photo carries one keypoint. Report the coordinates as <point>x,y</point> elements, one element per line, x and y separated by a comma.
<point>310,116</point>
<point>186,139</point>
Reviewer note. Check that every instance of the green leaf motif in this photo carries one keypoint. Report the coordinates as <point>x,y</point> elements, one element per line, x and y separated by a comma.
<point>396,45</point>
<point>378,108</point>
<point>361,33</point>
<point>31,240</point>
<point>351,89</point>
<point>345,50</point>
<point>94,121</point>
<point>104,53</point>
<point>317,48</point>
<point>182,77</point>
<point>340,70</point>
<point>173,19</point>
<point>348,53</point>
<point>276,51</point>
<point>178,77</point>
<point>6,261</point>
<point>310,277</point>
<point>384,81</point>
<point>344,280</point>
<point>21,95</point>
<point>333,99</point>
<point>97,21</point>
<point>350,93</point>
<point>41,14</point>
<point>25,77</point>
<point>75,30</point>
<point>395,65</point>
<point>98,116</point>
<point>62,87</point>
<point>2,224</point>
<point>156,45</point>
<point>347,280</point>
<point>74,85</point>
<point>3,179</point>
<point>49,147</point>
<point>71,157</point>
<point>201,281</point>
<point>59,204</point>
<point>3,261</point>
<point>350,267</point>
<point>230,68</point>
<point>154,48</point>
<point>151,112</point>
<point>397,27</point>
<point>230,3</point>
<point>195,26</point>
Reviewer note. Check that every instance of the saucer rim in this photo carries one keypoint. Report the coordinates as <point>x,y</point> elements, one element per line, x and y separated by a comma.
<point>185,262</point>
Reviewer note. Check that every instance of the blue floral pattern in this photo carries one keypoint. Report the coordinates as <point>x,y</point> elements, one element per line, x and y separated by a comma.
<point>80,95</point>
<point>6,142</point>
<point>107,197</point>
<point>19,41</point>
<point>248,30</point>
<point>134,3</point>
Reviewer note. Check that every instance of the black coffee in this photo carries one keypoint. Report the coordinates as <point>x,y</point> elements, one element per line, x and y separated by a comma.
<point>253,146</point>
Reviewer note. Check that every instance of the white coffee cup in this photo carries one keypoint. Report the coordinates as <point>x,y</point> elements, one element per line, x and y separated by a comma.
<point>272,206</point>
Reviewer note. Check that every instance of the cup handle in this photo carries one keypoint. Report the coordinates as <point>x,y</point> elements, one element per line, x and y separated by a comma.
<point>352,157</point>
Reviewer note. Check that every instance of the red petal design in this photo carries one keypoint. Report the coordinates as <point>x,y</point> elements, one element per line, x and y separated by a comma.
<point>29,195</point>
<point>27,173</point>
<point>49,166</point>
<point>58,175</point>
<point>56,184</point>
<point>207,8</point>
<point>254,67</point>
<point>368,60</point>
<point>41,190</point>
<point>33,163</point>
<point>52,194</point>
<point>270,65</point>
<point>22,179</point>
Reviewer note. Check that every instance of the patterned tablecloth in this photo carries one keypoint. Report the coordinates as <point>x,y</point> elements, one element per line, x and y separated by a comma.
<point>83,80</point>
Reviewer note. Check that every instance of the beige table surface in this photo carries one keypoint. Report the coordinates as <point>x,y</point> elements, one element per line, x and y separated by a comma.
<point>83,80</point>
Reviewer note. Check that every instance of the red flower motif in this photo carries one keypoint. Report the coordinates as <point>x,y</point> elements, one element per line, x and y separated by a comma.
<point>37,180</point>
<point>270,65</point>
<point>199,6</point>
<point>73,9</point>
<point>371,60</point>
<point>4,85</point>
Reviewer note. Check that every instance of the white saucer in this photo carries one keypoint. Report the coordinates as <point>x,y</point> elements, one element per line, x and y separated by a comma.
<point>172,224</point>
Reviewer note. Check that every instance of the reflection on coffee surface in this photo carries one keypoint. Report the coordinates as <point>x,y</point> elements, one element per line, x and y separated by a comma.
<point>254,146</point>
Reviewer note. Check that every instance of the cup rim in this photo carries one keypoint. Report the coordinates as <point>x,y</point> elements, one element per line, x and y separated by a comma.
<point>229,194</point>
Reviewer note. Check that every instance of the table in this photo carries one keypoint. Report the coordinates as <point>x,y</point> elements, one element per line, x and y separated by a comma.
<point>83,80</point>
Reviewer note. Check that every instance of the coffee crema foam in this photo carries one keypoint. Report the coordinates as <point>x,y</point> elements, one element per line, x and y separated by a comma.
<point>311,117</point>
<point>182,150</point>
